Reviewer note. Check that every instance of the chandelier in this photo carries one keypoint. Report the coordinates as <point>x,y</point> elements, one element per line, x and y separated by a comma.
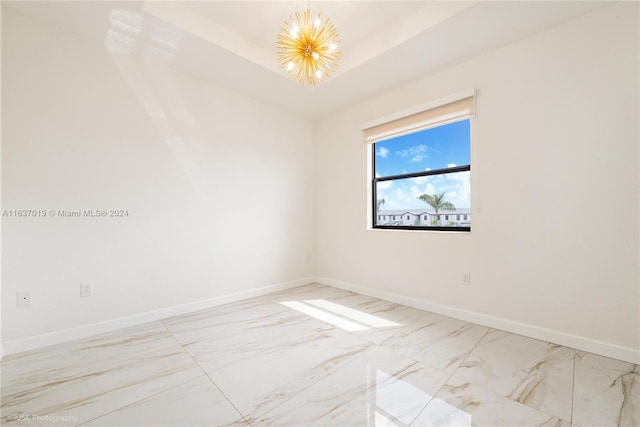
<point>308,48</point>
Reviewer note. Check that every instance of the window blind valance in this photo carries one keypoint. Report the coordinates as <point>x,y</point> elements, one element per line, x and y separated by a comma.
<point>436,113</point>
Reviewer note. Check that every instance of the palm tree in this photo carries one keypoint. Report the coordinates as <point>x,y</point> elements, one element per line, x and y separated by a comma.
<point>380,203</point>
<point>437,202</point>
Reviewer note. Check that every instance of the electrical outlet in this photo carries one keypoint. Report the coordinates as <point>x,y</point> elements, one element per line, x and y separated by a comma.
<point>466,279</point>
<point>86,289</point>
<point>24,299</point>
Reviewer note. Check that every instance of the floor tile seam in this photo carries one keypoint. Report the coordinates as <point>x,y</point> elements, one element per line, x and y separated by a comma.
<point>320,325</point>
<point>471,351</point>
<point>491,391</point>
<point>406,356</point>
<point>422,317</point>
<point>10,359</point>
<point>574,349</point>
<point>426,313</point>
<point>137,401</point>
<point>491,328</point>
<point>432,397</point>
<point>410,356</point>
<point>169,322</point>
<point>313,321</point>
<point>573,385</point>
<point>392,336</point>
<point>543,411</point>
<point>370,349</point>
<point>286,314</point>
<point>226,307</point>
<point>369,344</point>
<point>449,375</point>
<point>244,418</point>
<point>500,394</point>
<point>182,347</point>
<point>570,418</point>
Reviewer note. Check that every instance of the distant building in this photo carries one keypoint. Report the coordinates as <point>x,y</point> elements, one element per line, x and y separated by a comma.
<point>418,217</point>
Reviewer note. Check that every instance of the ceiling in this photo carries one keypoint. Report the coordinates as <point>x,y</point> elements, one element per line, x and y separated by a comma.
<point>232,43</point>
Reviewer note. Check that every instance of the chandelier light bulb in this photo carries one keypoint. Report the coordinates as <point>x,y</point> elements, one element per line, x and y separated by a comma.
<point>307,48</point>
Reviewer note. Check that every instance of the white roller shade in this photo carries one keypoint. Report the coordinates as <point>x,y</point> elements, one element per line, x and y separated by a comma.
<point>437,113</point>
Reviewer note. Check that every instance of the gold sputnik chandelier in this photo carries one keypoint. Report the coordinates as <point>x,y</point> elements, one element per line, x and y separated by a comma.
<point>308,48</point>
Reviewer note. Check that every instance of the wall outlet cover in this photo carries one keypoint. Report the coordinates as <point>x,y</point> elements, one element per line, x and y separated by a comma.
<point>86,289</point>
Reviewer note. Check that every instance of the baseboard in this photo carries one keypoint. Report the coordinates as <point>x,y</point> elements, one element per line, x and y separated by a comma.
<point>44,340</point>
<point>602,348</point>
<point>562,338</point>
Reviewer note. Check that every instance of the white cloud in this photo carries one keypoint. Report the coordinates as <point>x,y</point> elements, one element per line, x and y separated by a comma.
<point>429,180</point>
<point>451,165</point>
<point>417,152</point>
<point>430,189</point>
<point>460,176</point>
<point>382,152</point>
<point>458,189</point>
<point>383,185</point>
<point>403,194</point>
<point>400,195</point>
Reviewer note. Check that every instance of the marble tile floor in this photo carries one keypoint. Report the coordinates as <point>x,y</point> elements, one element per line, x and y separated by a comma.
<point>316,356</point>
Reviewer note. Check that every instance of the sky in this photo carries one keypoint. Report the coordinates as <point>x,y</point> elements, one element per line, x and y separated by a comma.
<point>437,148</point>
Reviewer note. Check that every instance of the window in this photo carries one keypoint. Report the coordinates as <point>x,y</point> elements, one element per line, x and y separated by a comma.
<point>421,163</point>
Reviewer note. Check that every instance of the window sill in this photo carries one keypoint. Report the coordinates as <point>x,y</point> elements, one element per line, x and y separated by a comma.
<point>447,230</point>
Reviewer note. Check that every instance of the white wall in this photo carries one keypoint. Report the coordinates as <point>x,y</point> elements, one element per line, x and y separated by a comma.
<point>1,350</point>
<point>219,187</point>
<point>555,152</point>
<point>217,207</point>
